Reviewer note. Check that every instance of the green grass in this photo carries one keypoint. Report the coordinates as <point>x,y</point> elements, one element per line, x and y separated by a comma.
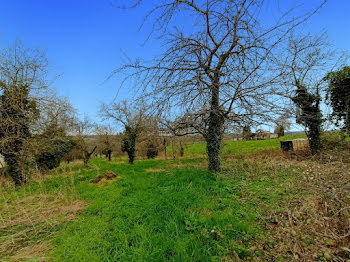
<point>161,210</point>
<point>237,147</point>
<point>178,214</point>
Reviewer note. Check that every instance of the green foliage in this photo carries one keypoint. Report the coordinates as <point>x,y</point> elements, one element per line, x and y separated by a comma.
<point>16,113</point>
<point>52,159</point>
<point>54,145</point>
<point>152,150</point>
<point>129,142</point>
<point>309,115</point>
<point>339,95</point>
<point>279,130</point>
<point>247,133</point>
<point>333,140</point>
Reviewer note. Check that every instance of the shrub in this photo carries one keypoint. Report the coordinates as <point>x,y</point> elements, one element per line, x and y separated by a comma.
<point>152,150</point>
<point>51,159</point>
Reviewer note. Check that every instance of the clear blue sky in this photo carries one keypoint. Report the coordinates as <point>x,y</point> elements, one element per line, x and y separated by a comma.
<point>83,40</point>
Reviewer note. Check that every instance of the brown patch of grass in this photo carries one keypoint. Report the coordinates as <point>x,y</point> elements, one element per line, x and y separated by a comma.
<point>34,251</point>
<point>206,212</point>
<point>29,222</point>
<point>316,226</point>
<point>154,170</point>
<point>6,181</point>
<point>106,178</point>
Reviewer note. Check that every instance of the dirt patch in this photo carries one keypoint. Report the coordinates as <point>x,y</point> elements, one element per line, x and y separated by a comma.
<point>106,178</point>
<point>154,170</point>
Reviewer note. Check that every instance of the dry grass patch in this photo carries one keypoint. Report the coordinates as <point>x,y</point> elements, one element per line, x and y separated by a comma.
<point>316,225</point>
<point>28,224</point>
<point>154,170</point>
<point>108,177</point>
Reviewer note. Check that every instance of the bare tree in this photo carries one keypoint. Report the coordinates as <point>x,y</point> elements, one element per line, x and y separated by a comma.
<point>218,66</point>
<point>23,75</point>
<point>308,60</point>
<point>105,138</point>
<point>132,118</point>
<point>84,129</point>
<point>282,124</point>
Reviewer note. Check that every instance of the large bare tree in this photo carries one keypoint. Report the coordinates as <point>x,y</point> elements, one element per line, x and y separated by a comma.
<point>218,62</point>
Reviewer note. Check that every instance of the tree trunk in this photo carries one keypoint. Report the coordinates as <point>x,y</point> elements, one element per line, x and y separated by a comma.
<point>14,169</point>
<point>214,134</point>
<point>109,155</point>
<point>131,155</point>
<point>131,151</point>
<point>165,144</point>
<point>315,129</point>
<point>347,120</point>
<point>88,155</point>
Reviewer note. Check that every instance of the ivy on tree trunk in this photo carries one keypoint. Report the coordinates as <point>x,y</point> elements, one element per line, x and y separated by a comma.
<point>309,115</point>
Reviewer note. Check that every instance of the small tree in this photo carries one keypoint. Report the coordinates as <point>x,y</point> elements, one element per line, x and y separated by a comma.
<point>152,150</point>
<point>105,138</point>
<point>132,119</point>
<point>282,123</point>
<point>52,141</point>
<point>84,129</point>
<point>279,130</point>
<point>57,145</point>
<point>247,133</point>
<point>338,93</point>
<point>305,65</point>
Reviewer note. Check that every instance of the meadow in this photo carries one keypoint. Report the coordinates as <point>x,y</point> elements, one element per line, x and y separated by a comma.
<point>263,206</point>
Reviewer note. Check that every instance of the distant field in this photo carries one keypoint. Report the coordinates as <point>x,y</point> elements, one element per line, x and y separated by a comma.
<point>238,147</point>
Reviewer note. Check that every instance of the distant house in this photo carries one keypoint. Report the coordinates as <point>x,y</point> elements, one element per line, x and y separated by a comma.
<point>188,131</point>
<point>273,135</point>
<point>164,133</point>
<point>261,134</point>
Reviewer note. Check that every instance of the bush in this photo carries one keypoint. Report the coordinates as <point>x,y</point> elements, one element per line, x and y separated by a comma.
<point>152,151</point>
<point>333,139</point>
<point>51,159</point>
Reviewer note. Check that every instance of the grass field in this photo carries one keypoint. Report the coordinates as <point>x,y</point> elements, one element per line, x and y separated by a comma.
<point>238,147</point>
<point>175,210</point>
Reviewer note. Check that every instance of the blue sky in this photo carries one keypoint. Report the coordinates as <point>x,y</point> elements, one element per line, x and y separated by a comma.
<point>83,40</point>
